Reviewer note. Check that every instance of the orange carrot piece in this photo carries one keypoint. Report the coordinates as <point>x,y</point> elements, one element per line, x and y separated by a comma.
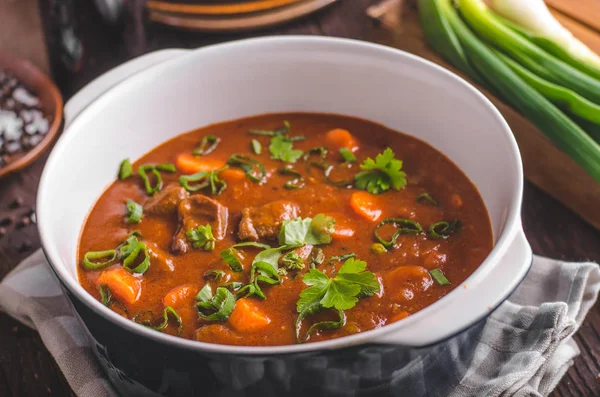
<point>189,164</point>
<point>178,295</point>
<point>123,285</point>
<point>365,205</point>
<point>232,175</point>
<point>344,227</point>
<point>340,138</point>
<point>246,317</point>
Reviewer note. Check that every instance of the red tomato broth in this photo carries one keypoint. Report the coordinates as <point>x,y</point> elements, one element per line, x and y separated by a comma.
<point>427,170</point>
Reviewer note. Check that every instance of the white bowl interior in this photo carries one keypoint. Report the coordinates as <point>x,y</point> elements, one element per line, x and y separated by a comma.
<point>275,75</point>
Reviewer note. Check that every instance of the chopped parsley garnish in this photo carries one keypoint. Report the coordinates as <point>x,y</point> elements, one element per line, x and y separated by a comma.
<point>202,237</point>
<point>255,170</point>
<point>315,231</point>
<point>168,311</point>
<point>282,148</point>
<point>380,174</point>
<point>341,292</point>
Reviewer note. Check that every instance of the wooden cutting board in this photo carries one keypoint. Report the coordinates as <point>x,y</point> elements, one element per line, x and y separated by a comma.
<point>397,25</point>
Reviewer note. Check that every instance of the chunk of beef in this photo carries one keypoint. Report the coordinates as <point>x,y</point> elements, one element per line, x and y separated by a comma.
<point>265,221</point>
<point>165,201</point>
<point>199,210</point>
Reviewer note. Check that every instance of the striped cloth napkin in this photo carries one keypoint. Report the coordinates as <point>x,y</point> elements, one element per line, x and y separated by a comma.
<point>523,348</point>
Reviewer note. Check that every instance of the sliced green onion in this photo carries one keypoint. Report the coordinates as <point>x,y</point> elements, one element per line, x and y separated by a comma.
<point>426,198</point>
<point>168,311</point>
<point>230,256</point>
<point>256,147</point>
<point>203,180</point>
<point>255,170</point>
<point>143,171</point>
<point>322,325</point>
<point>327,168</point>
<point>320,151</point>
<point>217,275</point>
<point>405,226</point>
<point>125,170</point>
<point>232,286</point>
<point>95,260</point>
<point>134,212</point>
<point>219,306</point>
<point>281,131</point>
<point>252,244</point>
<point>297,182</point>
<point>266,274</point>
<point>378,248</point>
<point>439,277</point>
<point>105,295</point>
<point>347,155</point>
<point>343,257</point>
<point>208,144</point>
<point>130,259</point>
<point>202,237</point>
<point>167,167</point>
<point>443,229</point>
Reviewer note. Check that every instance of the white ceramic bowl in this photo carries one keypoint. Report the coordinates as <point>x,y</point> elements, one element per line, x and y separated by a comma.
<point>282,74</point>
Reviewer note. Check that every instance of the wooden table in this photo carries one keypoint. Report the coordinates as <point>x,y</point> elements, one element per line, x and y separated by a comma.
<point>26,368</point>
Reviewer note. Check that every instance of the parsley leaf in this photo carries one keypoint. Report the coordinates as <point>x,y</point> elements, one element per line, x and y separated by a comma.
<point>315,231</point>
<point>202,237</point>
<point>281,148</point>
<point>381,174</point>
<point>341,292</point>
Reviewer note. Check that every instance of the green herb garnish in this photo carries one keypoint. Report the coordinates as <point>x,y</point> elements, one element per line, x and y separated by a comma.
<point>297,182</point>
<point>342,258</point>
<point>378,248</point>
<point>255,170</point>
<point>105,295</point>
<point>125,170</point>
<point>130,250</point>
<point>281,148</point>
<point>95,260</point>
<point>342,292</point>
<point>217,275</point>
<point>217,307</point>
<point>143,171</point>
<point>315,231</point>
<point>439,277</point>
<point>381,174</point>
<point>327,168</point>
<point>230,256</point>
<point>202,237</point>
<point>256,147</point>
<point>203,180</point>
<point>442,230</point>
<point>426,198</point>
<point>208,144</point>
<point>320,151</point>
<point>134,211</point>
<point>292,261</point>
<point>281,131</point>
<point>168,311</point>
<point>404,226</point>
<point>347,155</point>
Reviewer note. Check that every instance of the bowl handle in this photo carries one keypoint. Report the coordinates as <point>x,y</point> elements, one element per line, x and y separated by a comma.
<point>473,301</point>
<point>93,90</point>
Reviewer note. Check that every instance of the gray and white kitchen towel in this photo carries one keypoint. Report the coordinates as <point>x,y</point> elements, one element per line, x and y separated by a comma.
<point>523,348</point>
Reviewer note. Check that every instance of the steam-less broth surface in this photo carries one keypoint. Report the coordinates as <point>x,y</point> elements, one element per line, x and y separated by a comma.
<point>425,262</point>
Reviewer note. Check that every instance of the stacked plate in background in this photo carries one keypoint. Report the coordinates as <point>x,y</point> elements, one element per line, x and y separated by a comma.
<point>230,15</point>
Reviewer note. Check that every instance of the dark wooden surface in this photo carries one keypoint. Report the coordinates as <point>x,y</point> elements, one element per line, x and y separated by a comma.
<point>27,369</point>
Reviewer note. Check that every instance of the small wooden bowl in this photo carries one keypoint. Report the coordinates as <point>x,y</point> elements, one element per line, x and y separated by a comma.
<point>50,99</point>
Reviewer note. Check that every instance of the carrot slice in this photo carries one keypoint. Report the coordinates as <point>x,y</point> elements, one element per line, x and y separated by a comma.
<point>340,138</point>
<point>232,175</point>
<point>344,228</point>
<point>189,164</point>
<point>125,287</point>
<point>178,295</point>
<point>365,205</point>
<point>246,317</point>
